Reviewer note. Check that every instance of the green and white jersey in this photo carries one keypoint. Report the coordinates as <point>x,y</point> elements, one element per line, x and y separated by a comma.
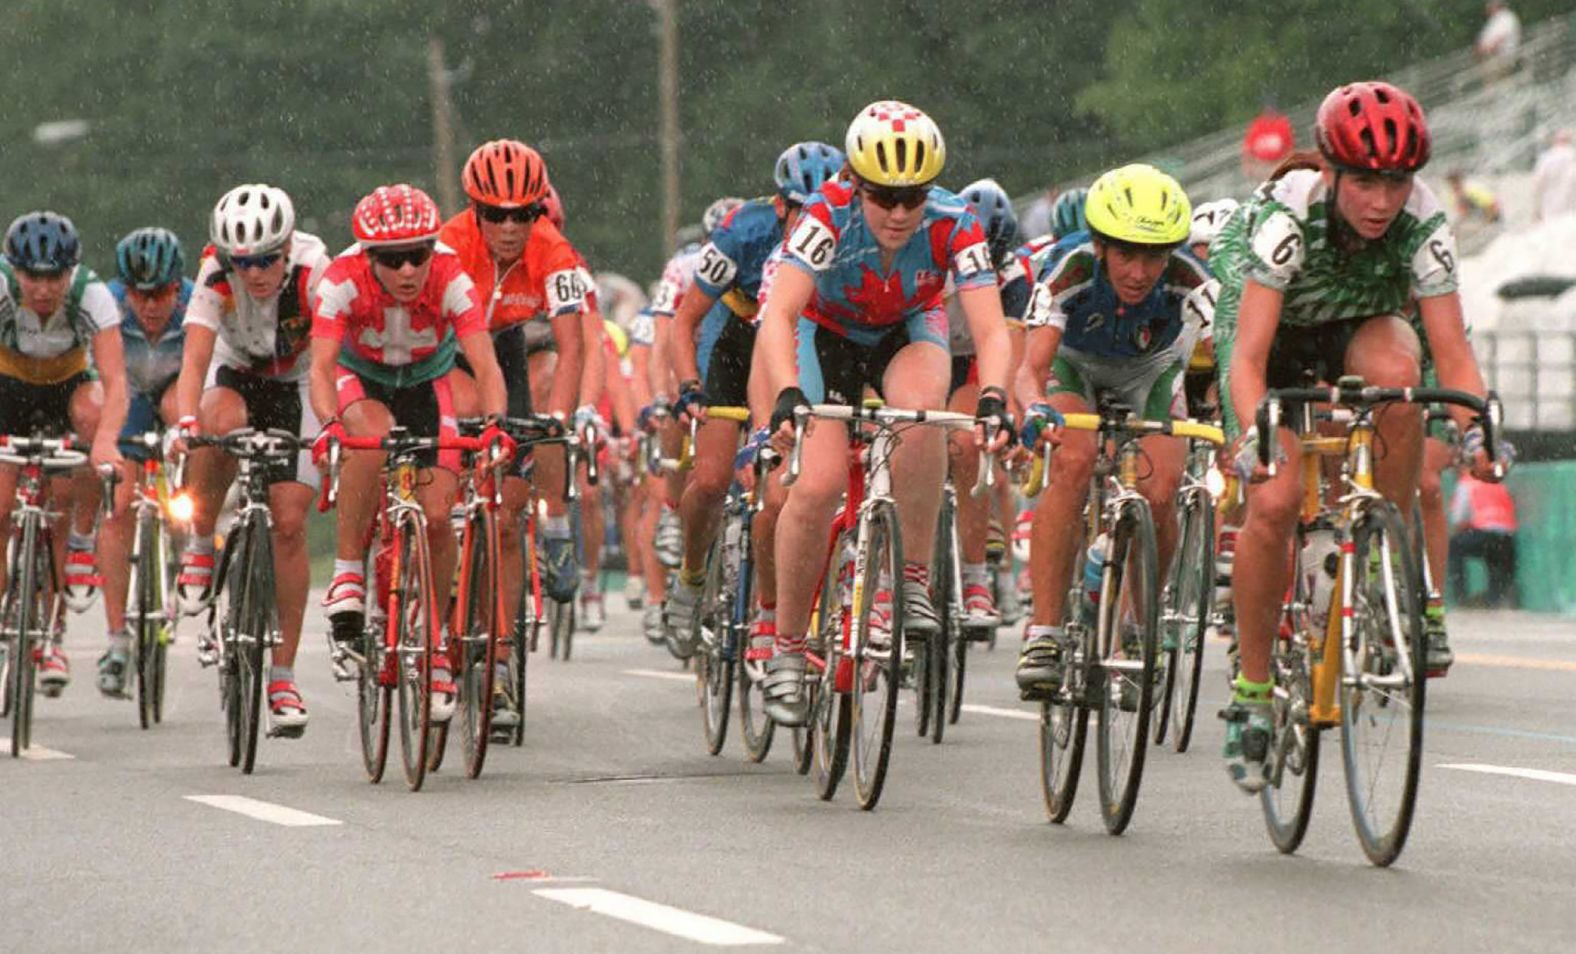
<point>1281,240</point>
<point>88,308</point>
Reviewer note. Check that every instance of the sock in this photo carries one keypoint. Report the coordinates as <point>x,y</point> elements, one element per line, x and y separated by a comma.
<point>916,573</point>
<point>556,526</point>
<point>976,573</point>
<point>1036,630</point>
<point>120,641</point>
<point>342,567</point>
<point>1246,690</point>
<point>691,577</point>
<point>790,644</point>
<point>198,544</point>
<point>281,674</point>
<point>500,672</point>
<point>79,541</point>
<point>589,578</point>
<point>766,611</point>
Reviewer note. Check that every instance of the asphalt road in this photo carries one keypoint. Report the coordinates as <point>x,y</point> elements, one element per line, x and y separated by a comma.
<point>612,830</point>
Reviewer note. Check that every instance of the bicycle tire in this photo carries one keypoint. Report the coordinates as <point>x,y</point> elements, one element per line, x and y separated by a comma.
<point>756,728</point>
<point>374,682</point>
<point>258,607</point>
<point>169,568</point>
<point>1123,739</point>
<point>522,642</point>
<point>714,638</point>
<point>27,602</point>
<point>930,664</point>
<point>877,673</point>
<point>1372,714</point>
<point>478,633</point>
<point>143,586</point>
<point>829,709</point>
<point>1187,621</point>
<point>957,671</point>
<point>1287,799</point>
<point>415,618</point>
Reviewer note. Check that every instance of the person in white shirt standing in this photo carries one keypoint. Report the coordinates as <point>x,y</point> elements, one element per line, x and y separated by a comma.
<point>1554,179</point>
<point>1498,41</point>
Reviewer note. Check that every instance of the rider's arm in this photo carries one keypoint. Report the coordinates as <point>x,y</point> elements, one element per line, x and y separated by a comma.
<point>196,355</point>
<point>325,361</point>
<point>640,380</point>
<point>571,361</point>
<point>621,396</point>
<point>1039,350</point>
<point>109,357</point>
<point>1258,317</point>
<point>1447,338</point>
<point>988,327</point>
<point>681,335</point>
<point>659,367</point>
<point>594,377</point>
<point>791,291</point>
<point>478,349</point>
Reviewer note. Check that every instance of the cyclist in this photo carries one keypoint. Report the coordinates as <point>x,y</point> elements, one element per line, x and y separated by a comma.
<point>525,269</point>
<point>857,303</point>
<point>991,206</point>
<point>1106,317</point>
<point>714,365</point>
<point>391,313</point>
<point>244,365</point>
<point>622,300</point>
<point>53,312</point>
<point>153,294</point>
<point>1315,272</point>
<point>1067,214</point>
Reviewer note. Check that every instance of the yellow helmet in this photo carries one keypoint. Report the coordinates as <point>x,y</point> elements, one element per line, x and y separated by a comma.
<point>893,144</point>
<point>619,338</point>
<point>1139,205</point>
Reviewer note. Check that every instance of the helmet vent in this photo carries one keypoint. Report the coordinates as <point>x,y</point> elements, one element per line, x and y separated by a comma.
<point>881,157</point>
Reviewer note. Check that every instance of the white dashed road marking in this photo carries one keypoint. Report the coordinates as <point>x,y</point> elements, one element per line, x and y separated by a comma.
<point>263,811</point>
<point>35,753</point>
<point>658,917</point>
<point>1024,714</point>
<point>1537,775</point>
<point>659,674</point>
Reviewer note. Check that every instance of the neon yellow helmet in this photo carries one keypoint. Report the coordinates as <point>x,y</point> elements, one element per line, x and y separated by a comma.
<point>893,144</point>
<point>1139,205</point>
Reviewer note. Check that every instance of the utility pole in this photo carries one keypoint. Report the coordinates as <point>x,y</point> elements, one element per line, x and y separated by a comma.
<point>668,85</point>
<point>444,170</point>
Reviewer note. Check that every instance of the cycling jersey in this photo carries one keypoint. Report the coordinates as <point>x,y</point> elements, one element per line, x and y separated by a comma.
<point>544,282</point>
<point>265,338</point>
<point>856,297</point>
<point>1017,276</point>
<point>151,366</point>
<point>52,349</point>
<point>730,263</point>
<point>1281,240</point>
<point>394,344</point>
<point>677,276</point>
<point>1073,293</point>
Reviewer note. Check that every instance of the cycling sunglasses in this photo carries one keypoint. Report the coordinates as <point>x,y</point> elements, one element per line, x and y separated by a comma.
<point>889,198</point>
<point>395,259</point>
<point>524,215</point>
<point>240,263</point>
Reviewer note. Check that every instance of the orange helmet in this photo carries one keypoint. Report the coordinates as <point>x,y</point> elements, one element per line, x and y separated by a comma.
<point>505,173</point>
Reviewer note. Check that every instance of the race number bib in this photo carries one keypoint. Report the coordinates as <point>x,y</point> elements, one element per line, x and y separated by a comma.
<point>972,260</point>
<point>716,268</point>
<point>566,292</point>
<point>1277,243</point>
<point>813,243</point>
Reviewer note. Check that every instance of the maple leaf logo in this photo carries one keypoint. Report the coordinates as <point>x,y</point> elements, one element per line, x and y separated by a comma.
<point>882,301</point>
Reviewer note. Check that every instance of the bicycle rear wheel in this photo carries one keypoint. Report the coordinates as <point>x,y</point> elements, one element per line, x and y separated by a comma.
<point>1185,615</point>
<point>877,664</point>
<point>474,654</point>
<point>561,621</point>
<point>715,641</point>
<point>522,639</point>
<point>1382,700</point>
<point>1125,678</point>
<point>957,668</point>
<point>756,728</point>
<point>415,617</point>
<point>829,709</point>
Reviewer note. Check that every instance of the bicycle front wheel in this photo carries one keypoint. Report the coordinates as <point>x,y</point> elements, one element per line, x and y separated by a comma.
<point>1382,696</point>
<point>1185,618</point>
<point>477,635</point>
<point>716,645</point>
<point>877,659</point>
<point>1125,679</point>
<point>829,709</point>
<point>258,611</point>
<point>414,614</point>
<point>1294,744</point>
<point>24,618</point>
<point>145,612</point>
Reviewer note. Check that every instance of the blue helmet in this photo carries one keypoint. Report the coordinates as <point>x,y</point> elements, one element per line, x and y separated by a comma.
<point>149,258</point>
<point>990,203</point>
<point>42,242</point>
<point>803,167</point>
<point>1067,215</point>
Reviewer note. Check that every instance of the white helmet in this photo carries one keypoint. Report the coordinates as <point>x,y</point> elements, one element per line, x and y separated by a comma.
<point>1209,219</point>
<point>620,298</point>
<point>252,220</point>
<point>716,212</point>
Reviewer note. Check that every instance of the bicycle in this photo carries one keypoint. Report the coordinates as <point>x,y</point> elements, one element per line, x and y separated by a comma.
<point>1111,667</point>
<point>402,634</point>
<point>150,611</point>
<point>1187,600</point>
<point>1366,671</point>
<point>33,602</point>
<point>243,609</point>
<point>941,661</point>
<point>854,667</point>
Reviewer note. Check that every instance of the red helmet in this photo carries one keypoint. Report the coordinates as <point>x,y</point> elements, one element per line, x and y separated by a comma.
<point>1372,127</point>
<point>395,215</point>
<point>505,173</point>
<point>555,208</point>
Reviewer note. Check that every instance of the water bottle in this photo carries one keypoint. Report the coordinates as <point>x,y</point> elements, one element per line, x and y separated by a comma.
<point>1318,563</point>
<point>1094,574</point>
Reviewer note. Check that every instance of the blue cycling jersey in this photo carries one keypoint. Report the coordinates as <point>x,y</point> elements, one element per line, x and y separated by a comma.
<point>1073,293</point>
<point>151,365</point>
<point>730,268</point>
<point>859,299</point>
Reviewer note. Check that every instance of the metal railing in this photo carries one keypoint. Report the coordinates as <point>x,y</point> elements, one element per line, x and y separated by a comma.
<point>1535,375</point>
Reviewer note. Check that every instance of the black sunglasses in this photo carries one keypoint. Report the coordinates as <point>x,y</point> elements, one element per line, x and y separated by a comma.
<point>889,198</point>
<point>43,274</point>
<point>394,260</point>
<point>240,263</point>
<point>497,214</point>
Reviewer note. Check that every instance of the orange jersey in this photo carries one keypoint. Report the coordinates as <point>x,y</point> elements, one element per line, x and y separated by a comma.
<point>546,282</point>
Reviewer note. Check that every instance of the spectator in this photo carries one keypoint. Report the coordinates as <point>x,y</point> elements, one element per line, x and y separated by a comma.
<point>1483,526</point>
<point>1036,219</point>
<point>1554,179</point>
<point>1472,200</point>
<point>1498,41</point>
<point>1269,140</point>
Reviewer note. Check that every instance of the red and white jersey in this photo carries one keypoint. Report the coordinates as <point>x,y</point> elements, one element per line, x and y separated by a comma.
<point>265,337</point>
<point>354,308</point>
<point>677,277</point>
